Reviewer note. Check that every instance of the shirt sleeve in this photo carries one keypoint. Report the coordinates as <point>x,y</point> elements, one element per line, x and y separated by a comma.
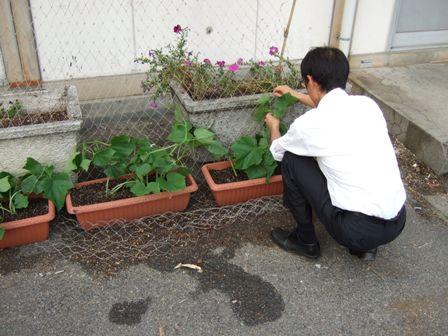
<point>292,141</point>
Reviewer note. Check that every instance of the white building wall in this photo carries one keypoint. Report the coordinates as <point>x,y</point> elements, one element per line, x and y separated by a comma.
<point>2,71</point>
<point>84,38</point>
<point>372,26</point>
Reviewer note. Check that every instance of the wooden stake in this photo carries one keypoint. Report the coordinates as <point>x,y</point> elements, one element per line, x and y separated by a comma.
<point>285,36</point>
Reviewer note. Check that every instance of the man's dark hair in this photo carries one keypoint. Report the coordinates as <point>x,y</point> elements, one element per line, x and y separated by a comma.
<point>328,67</point>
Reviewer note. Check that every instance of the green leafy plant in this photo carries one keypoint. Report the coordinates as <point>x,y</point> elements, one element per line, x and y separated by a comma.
<point>42,179</point>
<point>252,154</point>
<point>14,107</point>
<point>148,169</point>
<point>204,80</point>
<point>11,197</point>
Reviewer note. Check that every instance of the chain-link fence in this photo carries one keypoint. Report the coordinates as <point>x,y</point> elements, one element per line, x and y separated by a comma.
<point>131,62</point>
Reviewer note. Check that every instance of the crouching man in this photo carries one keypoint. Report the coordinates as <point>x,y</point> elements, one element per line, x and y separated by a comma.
<point>338,160</point>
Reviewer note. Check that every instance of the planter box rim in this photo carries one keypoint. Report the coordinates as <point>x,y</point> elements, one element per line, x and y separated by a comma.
<point>215,104</point>
<point>232,185</point>
<point>80,209</point>
<point>20,223</point>
<point>69,125</point>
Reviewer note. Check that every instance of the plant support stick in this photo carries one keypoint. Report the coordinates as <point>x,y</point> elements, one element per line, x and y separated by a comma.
<point>285,35</point>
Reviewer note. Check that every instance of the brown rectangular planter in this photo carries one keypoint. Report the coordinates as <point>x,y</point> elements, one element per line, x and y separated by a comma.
<point>27,230</point>
<point>242,191</point>
<point>98,215</point>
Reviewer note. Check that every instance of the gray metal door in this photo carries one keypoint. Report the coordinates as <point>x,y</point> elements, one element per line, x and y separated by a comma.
<point>420,23</point>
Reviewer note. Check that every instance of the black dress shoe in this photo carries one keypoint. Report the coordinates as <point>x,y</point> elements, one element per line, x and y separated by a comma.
<point>289,241</point>
<point>369,255</point>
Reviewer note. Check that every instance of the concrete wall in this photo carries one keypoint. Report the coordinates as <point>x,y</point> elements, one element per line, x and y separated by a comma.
<point>372,26</point>
<point>2,71</point>
<point>77,39</point>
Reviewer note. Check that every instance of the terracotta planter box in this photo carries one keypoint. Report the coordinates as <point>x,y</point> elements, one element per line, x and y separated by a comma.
<point>242,191</point>
<point>98,215</point>
<point>27,230</point>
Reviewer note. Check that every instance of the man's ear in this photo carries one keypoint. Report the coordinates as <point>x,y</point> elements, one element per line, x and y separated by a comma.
<point>313,83</point>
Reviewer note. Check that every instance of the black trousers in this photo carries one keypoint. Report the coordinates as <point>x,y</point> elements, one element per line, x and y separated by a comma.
<point>305,189</point>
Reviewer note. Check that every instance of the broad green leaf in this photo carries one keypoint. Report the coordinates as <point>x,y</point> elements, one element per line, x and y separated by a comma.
<point>243,146</point>
<point>143,170</point>
<point>269,164</point>
<point>33,167</point>
<point>56,188</point>
<point>180,133</point>
<point>283,128</point>
<point>183,171</point>
<point>282,103</point>
<point>178,114</point>
<point>28,184</point>
<point>122,145</point>
<point>153,187</point>
<point>217,149</point>
<point>260,113</point>
<point>254,172</point>
<point>263,100</point>
<point>175,182</point>
<point>4,184</point>
<point>263,143</point>
<point>204,136</point>
<point>103,158</point>
<point>116,170</point>
<point>2,231</point>
<point>140,189</point>
<point>85,164</point>
<point>20,201</point>
<point>254,157</point>
<point>73,162</point>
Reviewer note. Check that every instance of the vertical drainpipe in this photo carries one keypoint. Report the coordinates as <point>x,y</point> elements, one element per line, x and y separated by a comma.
<point>348,20</point>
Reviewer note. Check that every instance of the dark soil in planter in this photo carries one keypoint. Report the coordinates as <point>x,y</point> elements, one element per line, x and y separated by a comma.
<point>96,193</point>
<point>35,208</point>
<point>33,119</point>
<point>228,176</point>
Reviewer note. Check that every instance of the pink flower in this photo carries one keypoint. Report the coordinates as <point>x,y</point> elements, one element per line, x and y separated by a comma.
<point>261,63</point>
<point>239,61</point>
<point>188,63</point>
<point>234,67</point>
<point>153,105</point>
<point>273,50</point>
<point>221,64</point>
<point>177,29</point>
<point>207,61</point>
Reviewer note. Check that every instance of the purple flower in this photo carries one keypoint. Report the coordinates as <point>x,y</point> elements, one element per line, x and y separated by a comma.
<point>153,105</point>
<point>151,53</point>
<point>273,50</point>
<point>239,61</point>
<point>221,64</point>
<point>188,63</point>
<point>177,29</point>
<point>261,63</point>
<point>207,61</point>
<point>234,67</point>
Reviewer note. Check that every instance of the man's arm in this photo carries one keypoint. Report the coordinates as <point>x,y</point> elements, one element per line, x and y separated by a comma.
<point>301,97</point>
<point>273,124</point>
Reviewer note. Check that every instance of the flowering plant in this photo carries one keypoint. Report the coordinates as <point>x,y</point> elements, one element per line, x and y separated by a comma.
<point>203,80</point>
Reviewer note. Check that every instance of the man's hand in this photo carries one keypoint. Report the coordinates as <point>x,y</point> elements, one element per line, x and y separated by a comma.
<point>273,124</point>
<point>281,90</point>
<point>303,98</point>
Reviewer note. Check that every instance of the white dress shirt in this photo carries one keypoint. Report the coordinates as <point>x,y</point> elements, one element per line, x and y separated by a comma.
<point>348,137</point>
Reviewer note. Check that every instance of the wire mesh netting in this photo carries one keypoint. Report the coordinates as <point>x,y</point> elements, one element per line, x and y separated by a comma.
<point>115,67</point>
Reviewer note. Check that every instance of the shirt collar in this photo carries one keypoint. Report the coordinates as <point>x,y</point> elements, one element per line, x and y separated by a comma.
<point>330,96</point>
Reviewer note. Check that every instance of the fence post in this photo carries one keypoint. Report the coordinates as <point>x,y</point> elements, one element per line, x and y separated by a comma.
<point>8,44</point>
<point>18,44</point>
